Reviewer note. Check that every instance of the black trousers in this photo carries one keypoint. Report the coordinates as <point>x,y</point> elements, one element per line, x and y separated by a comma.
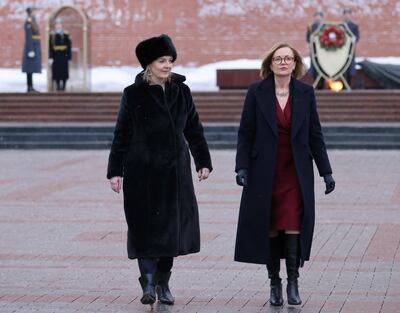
<point>61,83</point>
<point>153,265</point>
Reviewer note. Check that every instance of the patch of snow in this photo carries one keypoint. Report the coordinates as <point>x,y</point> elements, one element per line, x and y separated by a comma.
<point>205,77</point>
<point>115,79</point>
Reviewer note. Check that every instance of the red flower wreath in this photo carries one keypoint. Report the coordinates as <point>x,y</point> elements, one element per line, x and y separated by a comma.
<point>332,38</point>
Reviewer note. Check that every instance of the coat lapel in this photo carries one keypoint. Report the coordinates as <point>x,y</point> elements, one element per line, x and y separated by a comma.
<point>173,93</point>
<point>265,96</point>
<point>298,106</point>
<point>165,100</point>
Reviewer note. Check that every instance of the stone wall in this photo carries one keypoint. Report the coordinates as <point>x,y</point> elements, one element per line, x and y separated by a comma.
<point>204,31</point>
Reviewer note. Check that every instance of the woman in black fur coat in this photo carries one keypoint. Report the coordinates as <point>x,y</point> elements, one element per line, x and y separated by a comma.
<point>157,126</point>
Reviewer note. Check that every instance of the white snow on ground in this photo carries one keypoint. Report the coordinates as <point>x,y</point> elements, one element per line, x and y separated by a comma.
<point>114,79</point>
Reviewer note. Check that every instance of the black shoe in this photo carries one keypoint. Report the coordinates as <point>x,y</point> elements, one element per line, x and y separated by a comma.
<point>148,287</point>
<point>162,288</point>
<point>31,89</point>
<point>292,267</point>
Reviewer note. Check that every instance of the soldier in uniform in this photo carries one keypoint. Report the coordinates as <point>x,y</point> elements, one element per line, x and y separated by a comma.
<point>351,71</point>
<point>318,17</point>
<point>60,53</point>
<point>31,58</point>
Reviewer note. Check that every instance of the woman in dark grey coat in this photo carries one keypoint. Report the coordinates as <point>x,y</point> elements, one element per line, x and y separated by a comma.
<point>157,122</point>
<point>279,136</point>
<point>31,58</point>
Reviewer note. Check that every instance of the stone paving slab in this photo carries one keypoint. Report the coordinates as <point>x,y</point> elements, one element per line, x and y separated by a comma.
<point>63,249</point>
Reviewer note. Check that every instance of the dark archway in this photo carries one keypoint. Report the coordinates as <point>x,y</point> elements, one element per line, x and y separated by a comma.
<point>77,24</point>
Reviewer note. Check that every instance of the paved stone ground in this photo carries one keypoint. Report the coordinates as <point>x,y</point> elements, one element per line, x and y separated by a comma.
<point>62,240</point>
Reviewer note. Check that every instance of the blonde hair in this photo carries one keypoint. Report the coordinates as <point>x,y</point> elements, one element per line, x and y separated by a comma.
<point>299,69</point>
<point>147,75</point>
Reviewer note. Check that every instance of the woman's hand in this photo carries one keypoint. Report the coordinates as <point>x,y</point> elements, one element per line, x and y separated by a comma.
<point>241,177</point>
<point>203,173</point>
<point>116,183</point>
<point>31,54</point>
<point>329,183</point>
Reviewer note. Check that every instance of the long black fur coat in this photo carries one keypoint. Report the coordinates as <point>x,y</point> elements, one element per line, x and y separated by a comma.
<point>150,150</point>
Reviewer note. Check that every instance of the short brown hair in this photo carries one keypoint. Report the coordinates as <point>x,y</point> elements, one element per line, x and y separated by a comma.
<point>298,71</point>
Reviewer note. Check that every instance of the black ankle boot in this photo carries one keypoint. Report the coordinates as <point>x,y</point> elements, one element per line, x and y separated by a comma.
<point>275,297</point>
<point>292,290</point>
<point>148,287</point>
<point>162,288</point>
<point>292,267</point>
<point>274,266</point>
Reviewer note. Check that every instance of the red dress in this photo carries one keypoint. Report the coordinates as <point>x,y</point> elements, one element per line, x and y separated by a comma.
<point>286,208</point>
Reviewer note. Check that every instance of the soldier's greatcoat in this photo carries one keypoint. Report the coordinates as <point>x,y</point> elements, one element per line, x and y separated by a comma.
<point>32,64</point>
<point>60,52</point>
<point>354,29</point>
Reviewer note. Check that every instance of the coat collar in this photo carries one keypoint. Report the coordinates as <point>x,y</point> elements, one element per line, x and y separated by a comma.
<point>265,95</point>
<point>140,82</point>
<point>165,100</point>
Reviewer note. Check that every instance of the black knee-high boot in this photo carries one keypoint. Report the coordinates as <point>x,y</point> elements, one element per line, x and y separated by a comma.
<point>273,267</point>
<point>292,267</point>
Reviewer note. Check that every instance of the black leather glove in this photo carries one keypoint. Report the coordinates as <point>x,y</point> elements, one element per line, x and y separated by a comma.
<point>329,183</point>
<point>241,177</point>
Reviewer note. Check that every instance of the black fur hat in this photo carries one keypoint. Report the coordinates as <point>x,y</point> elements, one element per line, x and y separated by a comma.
<point>151,49</point>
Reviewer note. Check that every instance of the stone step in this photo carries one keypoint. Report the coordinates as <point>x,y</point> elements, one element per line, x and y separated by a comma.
<point>213,117</point>
<point>217,97</point>
<point>219,136</point>
<point>202,105</point>
<point>222,106</point>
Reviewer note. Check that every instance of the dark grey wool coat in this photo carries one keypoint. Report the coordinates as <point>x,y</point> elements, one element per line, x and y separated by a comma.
<point>150,150</point>
<point>256,151</point>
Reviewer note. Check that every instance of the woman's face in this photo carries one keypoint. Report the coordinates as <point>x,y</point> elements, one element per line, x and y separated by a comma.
<point>161,68</point>
<point>283,62</point>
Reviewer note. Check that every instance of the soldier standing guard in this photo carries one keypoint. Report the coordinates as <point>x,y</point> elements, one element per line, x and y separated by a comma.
<point>60,53</point>
<point>318,18</point>
<point>351,71</point>
<point>31,58</point>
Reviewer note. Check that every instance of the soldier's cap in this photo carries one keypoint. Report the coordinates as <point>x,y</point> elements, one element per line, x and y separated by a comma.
<point>30,9</point>
<point>152,48</point>
<point>318,13</point>
<point>347,10</point>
